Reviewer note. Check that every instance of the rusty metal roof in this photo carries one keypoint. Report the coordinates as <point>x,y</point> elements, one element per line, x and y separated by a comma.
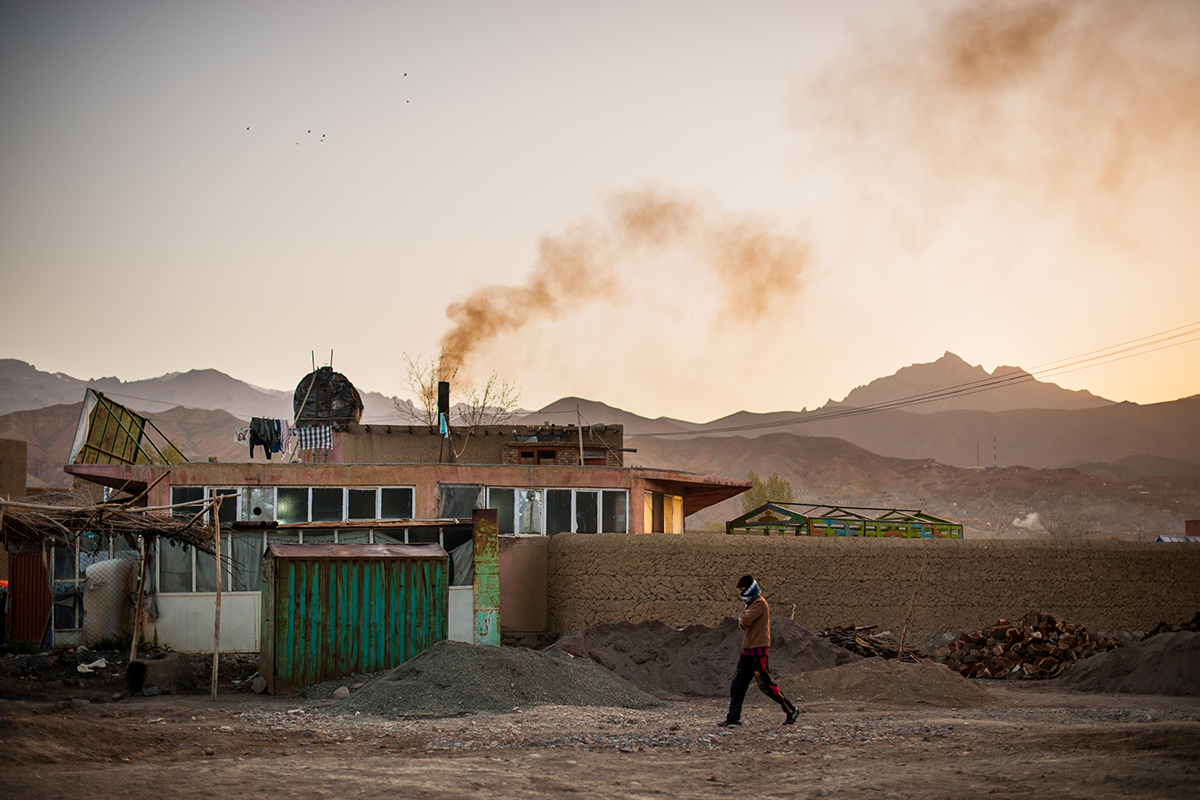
<point>355,551</point>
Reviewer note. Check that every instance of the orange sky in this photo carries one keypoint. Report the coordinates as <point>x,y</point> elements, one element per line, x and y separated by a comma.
<point>682,209</point>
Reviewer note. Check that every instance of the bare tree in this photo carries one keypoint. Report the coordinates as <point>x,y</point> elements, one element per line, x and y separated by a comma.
<point>421,377</point>
<point>492,404</point>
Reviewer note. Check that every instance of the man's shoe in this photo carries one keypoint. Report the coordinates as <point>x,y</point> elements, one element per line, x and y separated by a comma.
<point>729,723</point>
<point>791,718</point>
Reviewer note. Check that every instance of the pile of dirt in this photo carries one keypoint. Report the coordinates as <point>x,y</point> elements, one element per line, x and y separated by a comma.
<point>455,679</point>
<point>1165,664</point>
<point>697,661</point>
<point>880,680</point>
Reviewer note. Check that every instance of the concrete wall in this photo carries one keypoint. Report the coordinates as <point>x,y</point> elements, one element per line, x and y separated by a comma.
<point>523,583</point>
<point>966,584</point>
<point>484,444</point>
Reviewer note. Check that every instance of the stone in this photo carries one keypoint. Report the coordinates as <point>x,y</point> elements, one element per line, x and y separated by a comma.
<point>341,693</point>
<point>170,672</point>
<point>258,684</point>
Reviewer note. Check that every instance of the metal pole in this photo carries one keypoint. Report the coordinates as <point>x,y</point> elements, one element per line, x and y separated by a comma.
<point>579,424</point>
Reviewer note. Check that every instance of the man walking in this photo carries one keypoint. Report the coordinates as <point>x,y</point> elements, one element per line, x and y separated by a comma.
<point>755,623</point>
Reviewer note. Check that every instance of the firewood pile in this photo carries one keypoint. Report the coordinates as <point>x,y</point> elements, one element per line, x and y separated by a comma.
<point>866,643</point>
<point>1037,647</point>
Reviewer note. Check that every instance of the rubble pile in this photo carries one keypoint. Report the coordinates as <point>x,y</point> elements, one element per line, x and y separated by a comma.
<point>1038,647</point>
<point>1165,664</point>
<point>696,661</point>
<point>864,642</point>
<point>454,679</point>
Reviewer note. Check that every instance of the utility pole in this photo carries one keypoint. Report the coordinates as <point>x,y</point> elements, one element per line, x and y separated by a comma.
<point>579,424</point>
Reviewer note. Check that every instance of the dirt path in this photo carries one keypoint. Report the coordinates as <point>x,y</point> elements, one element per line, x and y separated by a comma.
<point>1037,743</point>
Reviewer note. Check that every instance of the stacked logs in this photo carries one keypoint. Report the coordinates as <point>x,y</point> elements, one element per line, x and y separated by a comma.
<point>1038,647</point>
<point>867,644</point>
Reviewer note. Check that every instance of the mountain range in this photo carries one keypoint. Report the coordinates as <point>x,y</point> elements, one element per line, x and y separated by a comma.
<point>987,458</point>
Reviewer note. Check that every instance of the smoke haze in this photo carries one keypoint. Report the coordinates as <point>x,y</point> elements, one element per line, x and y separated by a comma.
<point>597,259</point>
<point>1067,105</point>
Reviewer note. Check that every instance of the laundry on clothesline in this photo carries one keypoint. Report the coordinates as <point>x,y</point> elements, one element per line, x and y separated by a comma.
<point>319,437</point>
<point>241,435</point>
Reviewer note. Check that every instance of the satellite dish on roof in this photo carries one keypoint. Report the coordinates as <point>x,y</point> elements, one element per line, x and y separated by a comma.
<point>325,397</point>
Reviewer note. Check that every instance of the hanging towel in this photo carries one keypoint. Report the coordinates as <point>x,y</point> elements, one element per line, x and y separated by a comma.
<point>286,434</point>
<point>241,434</point>
<point>319,437</point>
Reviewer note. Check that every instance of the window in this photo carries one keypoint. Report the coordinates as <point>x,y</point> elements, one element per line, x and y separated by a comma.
<point>186,570</point>
<point>586,512</point>
<point>459,500</point>
<point>291,505</point>
<point>615,517</point>
<point>518,511</point>
<point>335,504</point>
<point>503,500</point>
<point>362,504</point>
<point>328,505</point>
<point>395,503</point>
<point>526,511</point>
<point>558,511</point>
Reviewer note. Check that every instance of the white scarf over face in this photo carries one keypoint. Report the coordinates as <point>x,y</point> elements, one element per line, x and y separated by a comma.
<point>751,592</point>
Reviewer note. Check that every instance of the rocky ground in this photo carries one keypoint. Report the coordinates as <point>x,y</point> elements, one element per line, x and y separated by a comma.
<point>62,733</point>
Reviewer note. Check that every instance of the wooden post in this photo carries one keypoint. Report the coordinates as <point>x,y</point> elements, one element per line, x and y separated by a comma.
<point>912,604</point>
<point>137,607</point>
<point>216,516</point>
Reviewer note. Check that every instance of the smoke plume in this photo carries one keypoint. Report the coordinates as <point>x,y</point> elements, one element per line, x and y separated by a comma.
<point>754,267</point>
<point>1064,104</point>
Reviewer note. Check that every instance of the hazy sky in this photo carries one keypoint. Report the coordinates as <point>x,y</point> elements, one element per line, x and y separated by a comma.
<point>682,209</point>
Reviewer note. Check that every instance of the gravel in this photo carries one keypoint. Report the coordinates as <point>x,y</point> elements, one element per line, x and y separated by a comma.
<point>1168,663</point>
<point>457,679</point>
<point>696,661</point>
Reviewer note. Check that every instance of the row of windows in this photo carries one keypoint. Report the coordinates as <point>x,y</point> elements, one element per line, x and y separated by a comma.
<point>520,511</point>
<point>539,511</point>
<point>184,570</point>
<point>303,504</point>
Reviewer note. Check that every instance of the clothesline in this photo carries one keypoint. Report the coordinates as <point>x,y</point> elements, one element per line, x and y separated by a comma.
<point>283,436</point>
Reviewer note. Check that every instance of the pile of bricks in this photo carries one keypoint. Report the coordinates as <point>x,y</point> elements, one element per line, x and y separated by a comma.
<point>1037,647</point>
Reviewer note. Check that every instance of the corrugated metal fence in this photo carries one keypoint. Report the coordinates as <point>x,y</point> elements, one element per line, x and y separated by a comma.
<point>333,610</point>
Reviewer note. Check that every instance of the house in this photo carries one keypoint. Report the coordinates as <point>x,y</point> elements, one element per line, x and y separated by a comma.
<point>401,485</point>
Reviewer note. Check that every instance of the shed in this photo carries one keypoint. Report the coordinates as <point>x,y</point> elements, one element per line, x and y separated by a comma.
<point>331,610</point>
<point>818,519</point>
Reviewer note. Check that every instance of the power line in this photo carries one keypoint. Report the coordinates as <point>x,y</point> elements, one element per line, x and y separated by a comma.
<point>1144,345</point>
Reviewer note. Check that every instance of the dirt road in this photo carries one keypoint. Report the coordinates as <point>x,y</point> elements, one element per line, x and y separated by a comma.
<point>1039,742</point>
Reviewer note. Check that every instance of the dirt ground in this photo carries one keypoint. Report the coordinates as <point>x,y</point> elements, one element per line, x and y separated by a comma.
<point>1036,741</point>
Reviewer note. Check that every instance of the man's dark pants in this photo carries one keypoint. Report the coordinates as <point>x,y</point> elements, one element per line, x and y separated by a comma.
<point>752,664</point>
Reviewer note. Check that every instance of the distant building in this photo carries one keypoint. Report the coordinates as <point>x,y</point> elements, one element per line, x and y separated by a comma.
<point>399,484</point>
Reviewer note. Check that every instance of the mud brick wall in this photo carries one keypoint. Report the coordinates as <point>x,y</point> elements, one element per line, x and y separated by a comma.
<point>965,584</point>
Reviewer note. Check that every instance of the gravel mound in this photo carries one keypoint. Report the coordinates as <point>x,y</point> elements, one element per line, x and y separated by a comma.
<point>697,661</point>
<point>880,680</point>
<point>454,679</point>
<point>1168,663</point>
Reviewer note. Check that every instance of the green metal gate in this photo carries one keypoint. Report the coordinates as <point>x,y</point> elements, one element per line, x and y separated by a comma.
<point>330,610</point>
